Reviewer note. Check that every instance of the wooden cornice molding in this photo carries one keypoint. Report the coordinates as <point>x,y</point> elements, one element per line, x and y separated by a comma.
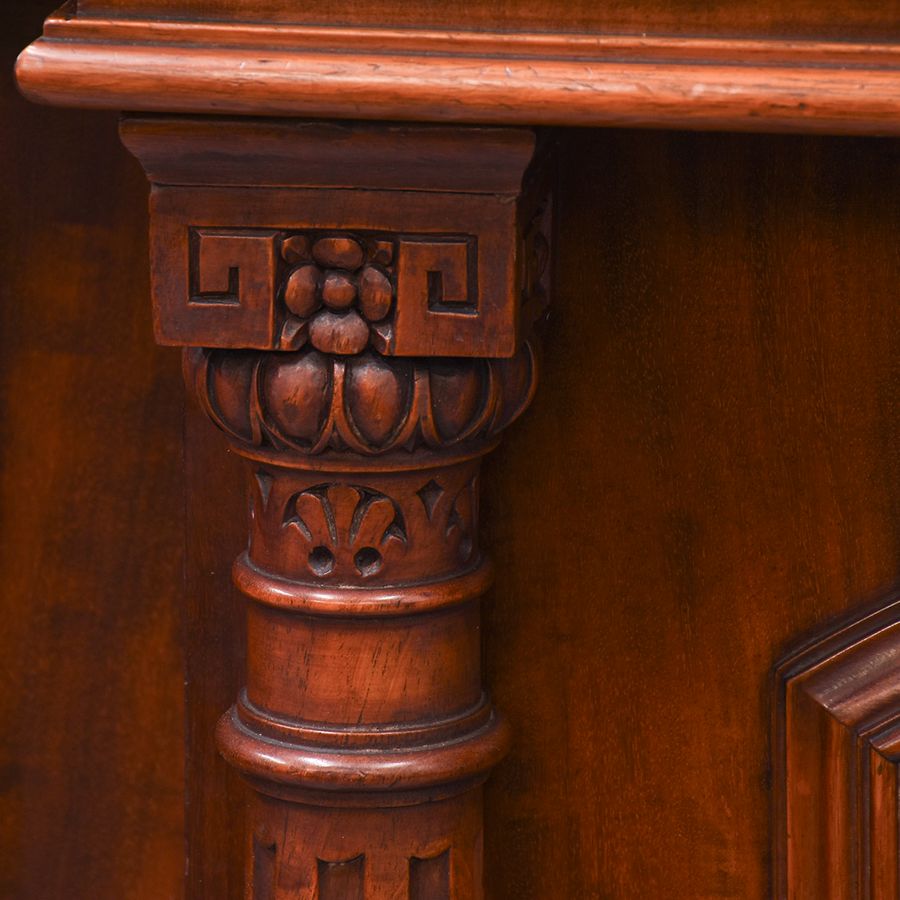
<point>468,77</point>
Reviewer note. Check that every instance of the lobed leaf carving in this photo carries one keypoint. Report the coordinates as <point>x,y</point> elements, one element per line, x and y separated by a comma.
<point>311,402</point>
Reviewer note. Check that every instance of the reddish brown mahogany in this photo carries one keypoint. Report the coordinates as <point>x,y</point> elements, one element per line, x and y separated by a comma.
<point>91,681</point>
<point>362,351</point>
<point>508,76</point>
<point>837,748</point>
<point>713,468</point>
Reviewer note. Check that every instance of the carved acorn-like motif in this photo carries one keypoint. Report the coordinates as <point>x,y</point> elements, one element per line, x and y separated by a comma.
<point>377,396</point>
<point>301,291</point>
<point>366,403</point>
<point>375,294</point>
<point>338,252</point>
<point>330,389</point>
<point>228,389</point>
<point>456,390</point>
<point>336,293</point>
<point>298,386</point>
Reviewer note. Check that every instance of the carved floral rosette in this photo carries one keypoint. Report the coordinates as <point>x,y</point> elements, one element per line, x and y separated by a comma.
<point>363,569</point>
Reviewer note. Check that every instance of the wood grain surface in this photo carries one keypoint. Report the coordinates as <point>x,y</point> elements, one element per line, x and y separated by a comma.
<point>91,531</point>
<point>720,394</point>
<point>741,81</point>
<point>362,350</point>
<point>709,470</point>
<point>793,18</point>
<point>215,798</point>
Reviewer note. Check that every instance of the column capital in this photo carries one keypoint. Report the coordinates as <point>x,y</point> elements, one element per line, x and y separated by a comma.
<point>411,241</point>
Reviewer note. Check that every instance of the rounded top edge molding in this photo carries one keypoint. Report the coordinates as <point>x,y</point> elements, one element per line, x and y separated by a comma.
<point>442,76</point>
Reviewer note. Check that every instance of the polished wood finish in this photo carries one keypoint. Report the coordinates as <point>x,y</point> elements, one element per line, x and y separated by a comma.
<point>730,481</point>
<point>720,377</point>
<point>445,239</point>
<point>467,76</point>
<point>215,796</point>
<point>709,471</point>
<point>793,18</point>
<point>837,749</point>
<point>91,524</point>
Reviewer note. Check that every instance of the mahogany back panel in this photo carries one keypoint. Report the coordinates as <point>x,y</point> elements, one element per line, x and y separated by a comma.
<point>709,471</point>
<point>91,517</point>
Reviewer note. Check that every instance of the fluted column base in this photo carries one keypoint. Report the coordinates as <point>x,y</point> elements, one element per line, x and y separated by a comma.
<point>426,851</point>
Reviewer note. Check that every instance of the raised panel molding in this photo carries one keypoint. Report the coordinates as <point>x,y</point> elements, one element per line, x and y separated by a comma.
<point>837,748</point>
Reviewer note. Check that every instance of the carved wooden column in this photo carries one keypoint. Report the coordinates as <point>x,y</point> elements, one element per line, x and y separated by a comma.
<point>356,303</point>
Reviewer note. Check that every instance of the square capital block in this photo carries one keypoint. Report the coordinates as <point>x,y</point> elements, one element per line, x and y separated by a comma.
<point>411,259</point>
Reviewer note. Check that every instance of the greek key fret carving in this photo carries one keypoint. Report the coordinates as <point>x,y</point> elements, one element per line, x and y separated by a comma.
<point>231,282</point>
<point>437,302</point>
<point>340,292</point>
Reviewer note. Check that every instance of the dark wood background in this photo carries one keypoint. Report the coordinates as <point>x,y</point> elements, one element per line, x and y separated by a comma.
<point>91,516</point>
<point>710,471</point>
